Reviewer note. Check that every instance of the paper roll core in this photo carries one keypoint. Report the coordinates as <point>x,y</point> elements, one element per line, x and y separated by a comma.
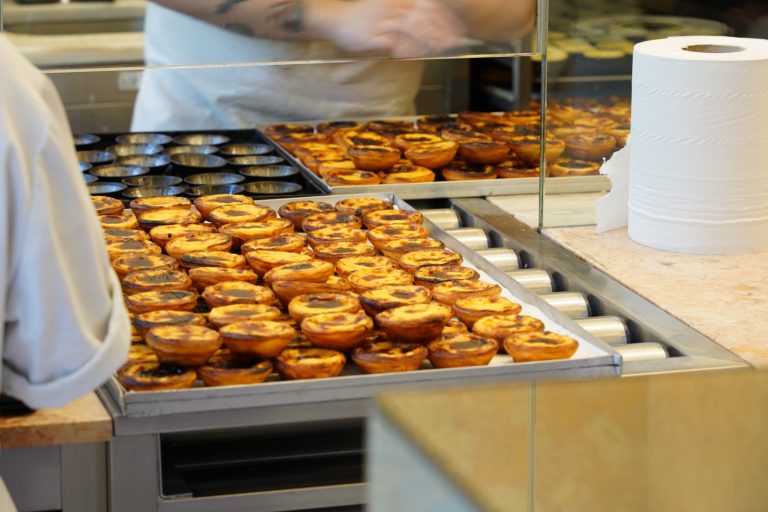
<point>713,48</point>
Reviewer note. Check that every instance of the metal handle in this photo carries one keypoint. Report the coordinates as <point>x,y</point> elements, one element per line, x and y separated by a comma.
<point>610,329</point>
<point>573,304</point>
<point>535,279</point>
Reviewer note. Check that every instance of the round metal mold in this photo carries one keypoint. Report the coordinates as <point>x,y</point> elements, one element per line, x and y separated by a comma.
<point>201,139</point>
<point>96,157</point>
<point>245,161</point>
<point>105,188</point>
<point>85,166</point>
<point>271,188</point>
<point>245,149</point>
<point>195,161</point>
<point>143,138</point>
<point>136,192</point>
<point>203,150</point>
<point>269,172</point>
<point>214,178</point>
<point>152,181</point>
<point>207,190</point>
<point>90,178</point>
<point>135,149</point>
<point>86,139</point>
<point>153,162</point>
<point>118,172</point>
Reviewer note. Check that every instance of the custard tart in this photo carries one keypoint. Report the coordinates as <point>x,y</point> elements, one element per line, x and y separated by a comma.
<point>454,326</point>
<point>236,213</point>
<point>127,264</point>
<point>116,234</point>
<point>432,275</point>
<point>500,327</point>
<point>148,280</point>
<point>389,125</point>
<point>304,149</point>
<point>276,130</point>
<point>517,169</point>
<point>309,363</point>
<point>237,292</point>
<point>335,234</point>
<point>412,261</point>
<point>125,220</point>
<point>261,338</point>
<point>313,161</point>
<point>460,350</point>
<point>193,242</point>
<point>471,309</point>
<point>183,345</point>
<point>345,266</point>
<point>146,321</point>
<point>433,155</point>
<point>373,158</point>
<point>464,136</point>
<point>362,280</point>
<point>484,152</point>
<point>202,277</point>
<point>460,171</point>
<point>383,234</point>
<point>417,323</point>
<point>212,259</point>
<point>227,369</point>
<point>338,126</point>
<point>144,204</point>
<point>527,148</point>
<point>151,218</point>
<point>285,242</point>
<point>141,352</point>
<point>311,304</point>
<point>378,218</point>
<point>242,232</point>
<point>381,299</point>
<point>155,376</point>
<point>105,205</point>
<point>337,331</point>
<point>180,300</point>
<point>540,346</point>
<point>314,271</point>
<point>389,357</point>
<point>395,248</point>
<point>408,140</point>
<point>287,290</point>
<point>295,211</point>
<point>131,248</point>
<point>573,167</point>
<point>352,138</point>
<point>161,234</point>
<point>449,292</point>
<point>330,219</point>
<point>225,315</point>
<point>334,252</point>
<point>262,260</point>
<point>352,178</point>
<point>408,174</point>
<point>331,169</point>
<point>206,204</point>
<point>590,146</point>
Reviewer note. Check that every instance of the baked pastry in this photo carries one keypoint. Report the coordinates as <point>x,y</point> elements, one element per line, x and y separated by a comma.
<point>329,219</point>
<point>480,117</point>
<point>331,169</point>
<point>314,271</point>
<point>144,204</point>
<point>237,292</point>
<point>595,123</point>
<point>380,299</point>
<point>383,234</point>
<point>463,136</point>
<point>434,123</point>
<point>287,290</point>
<point>408,140</point>
<point>239,213</point>
<point>459,350</point>
<point>155,376</point>
<point>127,264</point>
<point>125,220</point>
<point>527,148</point>
<point>362,280</point>
<point>417,323</point>
<point>295,211</point>
<point>590,146</point>
<point>449,292</point>
<point>540,346</point>
<point>562,113</point>
<point>484,151</point>
<point>131,248</point>
<point>336,126</point>
<point>432,275</point>
<point>395,248</point>
<point>412,261</point>
<point>310,304</point>
<point>500,327</point>
<point>517,169</point>
<point>388,357</point>
<point>206,204</point>
<point>242,232</point>
<point>212,259</point>
<point>225,315</point>
<point>292,140</point>
<point>116,234</point>
<point>151,218</point>
<point>408,174</point>
<point>105,205</point>
<point>276,130</point>
<point>202,277</point>
<point>285,242</point>
<point>572,167</point>
<point>262,338</point>
<point>523,116</point>
<point>183,345</point>
<point>346,266</point>
<point>335,234</point>
<point>373,158</point>
<point>227,369</point>
<point>460,171</point>
<point>620,133</point>
<point>351,138</point>
<point>304,149</point>
<point>148,280</point>
<point>309,363</point>
<point>337,331</point>
<point>333,252</point>
<point>262,260</point>
<point>353,177</point>
<point>161,234</point>
<point>471,309</point>
<point>180,300</point>
<point>146,321</point>
<point>313,161</point>
<point>193,242</point>
<point>432,155</point>
<point>386,217</point>
<point>141,352</point>
<point>389,126</point>
<point>454,326</point>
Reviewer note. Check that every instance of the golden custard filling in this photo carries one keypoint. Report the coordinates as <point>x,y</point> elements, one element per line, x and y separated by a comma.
<point>143,204</point>
<point>169,216</point>
<point>346,266</point>
<point>359,206</point>
<point>212,259</point>
<point>207,204</point>
<point>259,329</point>
<point>381,217</point>
<point>238,292</point>
<point>413,260</point>
<point>198,242</point>
<point>240,213</point>
<point>297,210</point>
<point>287,242</point>
<point>336,234</point>
<point>249,230</point>
<point>336,322</point>
<point>441,273</point>
<point>377,278</point>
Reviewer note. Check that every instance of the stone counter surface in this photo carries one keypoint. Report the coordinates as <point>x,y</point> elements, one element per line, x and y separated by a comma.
<point>84,420</point>
<point>725,297</point>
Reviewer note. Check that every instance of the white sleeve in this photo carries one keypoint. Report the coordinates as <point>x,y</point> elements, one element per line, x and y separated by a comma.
<point>65,326</point>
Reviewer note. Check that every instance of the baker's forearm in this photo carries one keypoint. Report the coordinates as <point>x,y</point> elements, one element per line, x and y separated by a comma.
<point>495,20</point>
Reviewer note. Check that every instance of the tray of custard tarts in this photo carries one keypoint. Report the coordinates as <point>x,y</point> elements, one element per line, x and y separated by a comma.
<point>467,154</point>
<point>236,303</point>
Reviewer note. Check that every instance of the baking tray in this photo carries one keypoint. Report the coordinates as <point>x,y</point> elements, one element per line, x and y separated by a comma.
<point>453,189</point>
<point>593,359</point>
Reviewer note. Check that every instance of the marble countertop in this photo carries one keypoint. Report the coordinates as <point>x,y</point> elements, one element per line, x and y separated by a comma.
<point>84,420</point>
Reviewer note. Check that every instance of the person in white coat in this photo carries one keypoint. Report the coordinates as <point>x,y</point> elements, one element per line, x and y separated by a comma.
<point>227,32</point>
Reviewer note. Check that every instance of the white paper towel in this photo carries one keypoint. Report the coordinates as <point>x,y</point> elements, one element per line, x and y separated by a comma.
<point>698,157</point>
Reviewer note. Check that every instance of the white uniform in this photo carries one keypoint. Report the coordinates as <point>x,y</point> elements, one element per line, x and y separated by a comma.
<point>242,97</point>
<point>63,325</point>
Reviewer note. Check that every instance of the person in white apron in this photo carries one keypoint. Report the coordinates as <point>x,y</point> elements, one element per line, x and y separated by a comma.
<point>227,32</point>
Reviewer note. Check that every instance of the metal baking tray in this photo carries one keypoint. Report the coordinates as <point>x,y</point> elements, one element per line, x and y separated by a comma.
<point>594,359</point>
<point>454,189</point>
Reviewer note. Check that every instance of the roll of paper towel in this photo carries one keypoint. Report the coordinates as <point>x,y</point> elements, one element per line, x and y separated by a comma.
<point>698,155</point>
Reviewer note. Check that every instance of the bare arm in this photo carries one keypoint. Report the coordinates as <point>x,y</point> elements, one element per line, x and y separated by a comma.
<point>495,20</point>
